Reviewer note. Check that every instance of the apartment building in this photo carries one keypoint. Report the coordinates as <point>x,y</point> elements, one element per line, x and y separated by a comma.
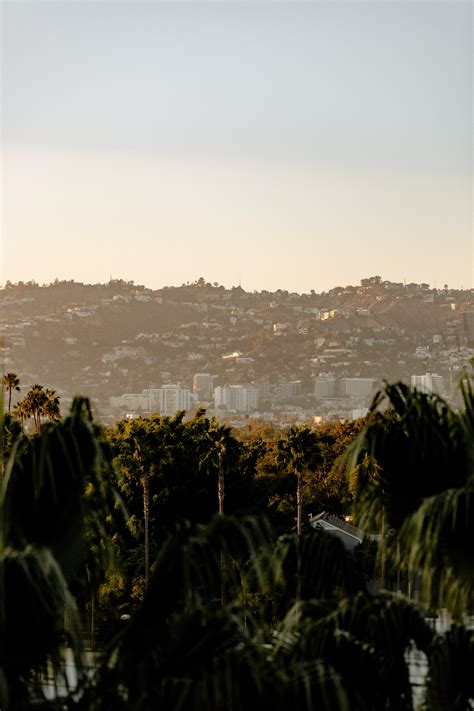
<point>238,398</point>
<point>203,386</point>
<point>428,383</point>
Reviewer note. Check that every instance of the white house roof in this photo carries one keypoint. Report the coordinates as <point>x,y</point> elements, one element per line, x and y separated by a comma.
<point>329,521</point>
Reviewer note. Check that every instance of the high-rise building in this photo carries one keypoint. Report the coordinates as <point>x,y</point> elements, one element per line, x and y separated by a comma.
<point>165,401</point>
<point>326,387</point>
<point>358,387</point>
<point>238,398</point>
<point>428,383</point>
<point>468,319</point>
<point>344,387</point>
<point>265,390</point>
<point>131,401</point>
<point>289,390</point>
<point>203,386</point>
<point>173,398</point>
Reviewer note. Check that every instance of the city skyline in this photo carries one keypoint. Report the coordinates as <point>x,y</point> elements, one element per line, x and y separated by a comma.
<point>293,145</point>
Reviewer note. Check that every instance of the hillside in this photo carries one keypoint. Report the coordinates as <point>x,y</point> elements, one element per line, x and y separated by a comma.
<point>106,339</point>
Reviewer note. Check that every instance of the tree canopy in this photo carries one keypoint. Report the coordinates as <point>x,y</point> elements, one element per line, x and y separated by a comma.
<point>220,608</point>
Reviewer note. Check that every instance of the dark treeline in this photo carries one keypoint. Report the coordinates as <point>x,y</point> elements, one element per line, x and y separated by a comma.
<point>170,470</point>
<point>182,553</point>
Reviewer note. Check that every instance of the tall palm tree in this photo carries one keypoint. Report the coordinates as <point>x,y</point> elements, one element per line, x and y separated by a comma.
<point>11,381</point>
<point>37,403</point>
<point>216,449</point>
<point>300,452</point>
<point>143,448</point>
<point>135,457</point>
<point>218,452</point>
<point>222,452</point>
<point>51,408</point>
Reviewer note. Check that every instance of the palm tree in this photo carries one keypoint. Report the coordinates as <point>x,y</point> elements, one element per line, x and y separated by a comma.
<point>363,640</point>
<point>413,472</point>
<point>181,651</point>
<point>12,430</point>
<point>51,408</point>
<point>143,447</point>
<point>224,452</point>
<point>10,381</point>
<point>341,648</point>
<point>54,502</point>
<point>217,450</point>
<point>135,456</point>
<point>299,451</point>
<point>37,403</point>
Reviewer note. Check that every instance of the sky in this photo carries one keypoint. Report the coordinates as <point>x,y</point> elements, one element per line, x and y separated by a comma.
<point>293,145</point>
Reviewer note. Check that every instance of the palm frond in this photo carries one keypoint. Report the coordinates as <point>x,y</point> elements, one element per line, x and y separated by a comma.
<point>43,495</point>
<point>364,639</point>
<point>319,561</point>
<point>450,683</point>
<point>34,604</point>
<point>436,543</point>
<point>414,449</point>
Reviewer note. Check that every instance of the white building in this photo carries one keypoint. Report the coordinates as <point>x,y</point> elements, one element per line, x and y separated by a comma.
<point>165,401</point>
<point>428,383</point>
<point>173,398</point>
<point>238,398</point>
<point>131,401</point>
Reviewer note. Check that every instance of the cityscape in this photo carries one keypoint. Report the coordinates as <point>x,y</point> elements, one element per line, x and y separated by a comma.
<point>275,356</point>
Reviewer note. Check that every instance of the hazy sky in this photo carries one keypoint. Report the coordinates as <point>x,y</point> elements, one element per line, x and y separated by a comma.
<point>294,145</point>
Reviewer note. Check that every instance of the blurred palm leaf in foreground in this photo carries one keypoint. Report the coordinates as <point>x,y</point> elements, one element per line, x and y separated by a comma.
<point>182,649</point>
<point>414,475</point>
<point>54,504</point>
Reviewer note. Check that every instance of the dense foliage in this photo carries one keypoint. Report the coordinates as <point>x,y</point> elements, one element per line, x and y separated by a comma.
<point>184,549</point>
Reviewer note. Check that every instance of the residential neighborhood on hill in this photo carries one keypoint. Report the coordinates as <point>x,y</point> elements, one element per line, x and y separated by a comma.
<point>273,355</point>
